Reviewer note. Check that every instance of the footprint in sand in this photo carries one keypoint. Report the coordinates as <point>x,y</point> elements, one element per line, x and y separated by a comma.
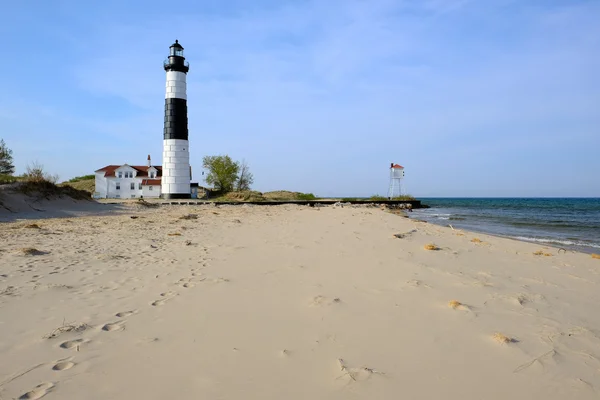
<point>160,302</point>
<point>113,326</point>
<point>188,285</point>
<point>63,365</point>
<point>124,314</point>
<point>39,391</point>
<point>71,344</point>
<point>322,301</point>
<point>417,284</point>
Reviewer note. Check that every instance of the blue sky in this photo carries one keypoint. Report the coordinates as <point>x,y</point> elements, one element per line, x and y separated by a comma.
<point>473,98</point>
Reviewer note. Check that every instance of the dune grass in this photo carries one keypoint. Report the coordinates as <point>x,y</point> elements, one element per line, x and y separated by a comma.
<point>431,246</point>
<point>454,304</point>
<point>501,338</point>
<point>30,251</point>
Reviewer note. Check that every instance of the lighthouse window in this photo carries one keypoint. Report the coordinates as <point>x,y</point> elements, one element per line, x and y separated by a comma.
<point>176,51</point>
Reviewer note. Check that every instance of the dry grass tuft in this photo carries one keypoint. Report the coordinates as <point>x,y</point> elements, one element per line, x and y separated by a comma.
<point>189,216</point>
<point>454,304</point>
<point>596,256</point>
<point>174,234</point>
<point>476,240</point>
<point>144,203</point>
<point>30,251</point>
<point>541,253</point>
<point>66,328</point>
<point>33,226</point>
<point>501,338</point>
<point>431,246</point>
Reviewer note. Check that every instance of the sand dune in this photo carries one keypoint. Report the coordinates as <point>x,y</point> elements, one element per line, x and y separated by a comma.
<point>290,302</point>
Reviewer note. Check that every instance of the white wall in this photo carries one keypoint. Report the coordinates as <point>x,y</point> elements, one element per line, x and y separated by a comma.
<point>176,85</point>
<point>101,186</point>
<point>176,166</point>
<point>147,193</point>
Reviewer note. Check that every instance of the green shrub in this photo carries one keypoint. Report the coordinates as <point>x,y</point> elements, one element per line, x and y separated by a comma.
<point>405,197</point>
<point>377,197</point>
<point>82,178</point>
<point>306,196</point>
<point>4,179</point>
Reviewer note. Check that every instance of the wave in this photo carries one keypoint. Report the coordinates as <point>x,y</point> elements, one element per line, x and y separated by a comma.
<point>557,241</point>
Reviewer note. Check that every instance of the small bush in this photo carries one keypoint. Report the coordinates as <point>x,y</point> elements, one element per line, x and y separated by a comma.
<point>5,179</point>
<point>36,173</point>
<point>596,256</point>
<point>82,178</point>
<point>404,197</point>
<point>306,196</point>
<point>377,197</point>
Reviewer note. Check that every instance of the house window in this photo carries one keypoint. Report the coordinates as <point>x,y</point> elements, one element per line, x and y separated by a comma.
<point>133,196</point>
<point>118,196</point>
<point>140,187</point>
<point>120,174</point>
<point>118,186</point>
<point>151,174</point>
<point>149,187</point>
<point>132,186</point>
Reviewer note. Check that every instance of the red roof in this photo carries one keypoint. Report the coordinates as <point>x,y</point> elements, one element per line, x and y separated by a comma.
<point>397,166</point>
<point>142,170</point>
<point>150,182</point>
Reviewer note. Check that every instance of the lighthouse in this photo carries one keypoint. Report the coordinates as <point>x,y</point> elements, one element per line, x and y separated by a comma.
<point>176,172</point>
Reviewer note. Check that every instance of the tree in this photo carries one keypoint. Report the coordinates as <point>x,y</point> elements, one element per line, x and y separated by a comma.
<point>6,160</point>
<point>245,177</point>
<point>222,172</point>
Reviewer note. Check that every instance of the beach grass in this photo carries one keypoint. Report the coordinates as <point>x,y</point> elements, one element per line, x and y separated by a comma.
<point>501,338</point>
<point>454,304</point>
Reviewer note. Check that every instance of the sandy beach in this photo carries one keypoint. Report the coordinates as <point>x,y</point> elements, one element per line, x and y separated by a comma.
<point>289,302</point>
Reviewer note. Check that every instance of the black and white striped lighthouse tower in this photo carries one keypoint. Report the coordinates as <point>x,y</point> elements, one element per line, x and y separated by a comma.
<point>175,183</point>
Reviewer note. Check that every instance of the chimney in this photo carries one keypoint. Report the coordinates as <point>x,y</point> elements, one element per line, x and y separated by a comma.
<point>149,161</point>
<point>391,165</point>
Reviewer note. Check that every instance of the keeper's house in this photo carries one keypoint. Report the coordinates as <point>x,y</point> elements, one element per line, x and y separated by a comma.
<point>128,181</point>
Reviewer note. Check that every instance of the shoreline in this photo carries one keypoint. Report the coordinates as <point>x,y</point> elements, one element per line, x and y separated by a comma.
<point>572,248</point>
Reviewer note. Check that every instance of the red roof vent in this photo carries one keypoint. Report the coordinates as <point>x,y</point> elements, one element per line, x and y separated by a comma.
<point>396,166</point>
